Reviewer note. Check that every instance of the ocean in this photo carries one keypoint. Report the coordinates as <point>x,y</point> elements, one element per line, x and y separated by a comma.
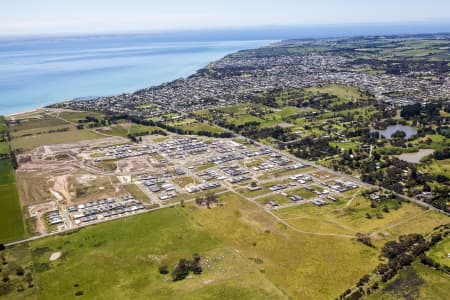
<point>38,71</point>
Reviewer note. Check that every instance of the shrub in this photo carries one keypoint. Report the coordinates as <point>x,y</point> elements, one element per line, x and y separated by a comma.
<point>163,270</point>
<point>19,271</point>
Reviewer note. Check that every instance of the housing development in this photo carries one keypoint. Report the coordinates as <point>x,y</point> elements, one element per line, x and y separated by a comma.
<point>236,78</point>
<point>306,169</point>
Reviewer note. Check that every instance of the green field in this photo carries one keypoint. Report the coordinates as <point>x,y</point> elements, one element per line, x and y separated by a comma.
<point>31,131</point>
<point>440,252</point>
<point>349,214</point>
<point>415,282</point>
<point>31,142</point>
<point>437,167</point>
<point>106,263</point>
<point>11,220</point>
<point>246,254</point>
<point>340,91</point>
<point>124,129</point>
<point>4,147</point>
<point>74,116</point>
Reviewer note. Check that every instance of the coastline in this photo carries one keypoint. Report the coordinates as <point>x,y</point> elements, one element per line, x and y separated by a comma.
<point>103,80</point>
<point>23,112</point>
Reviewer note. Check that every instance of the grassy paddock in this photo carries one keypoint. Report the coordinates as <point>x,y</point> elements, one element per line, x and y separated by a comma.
<point>440,252</point>
<point>415,282</point>
<point>11,221</point>
<point>120,260</point>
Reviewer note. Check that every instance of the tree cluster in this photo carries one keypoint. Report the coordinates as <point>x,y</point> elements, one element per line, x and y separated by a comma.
<point>184,267</point>
<point>208,200</point>
<point>401,253</point>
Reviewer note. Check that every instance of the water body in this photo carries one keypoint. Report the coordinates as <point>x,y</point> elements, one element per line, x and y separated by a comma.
<point>390,130</point>
<point>38,72</point>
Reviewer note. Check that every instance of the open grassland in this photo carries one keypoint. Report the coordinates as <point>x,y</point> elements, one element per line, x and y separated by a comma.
<point>42,122</point>
<point>71,136</point>
<point>4,147</point>
<point>441,167</point>
<point>298,264</point>
<point>415,282</point>
<point>31,132</point>
<point>120,260</point>
<point>246,253</point>
<point>6,172</point>
<point>74,116</point>
<point>3,126</point>
<point>340,91</point>
<point>123,129</point>
<point>440,252</point>
<point>11,221</point>
<point>18,258</point>
<point>350,213</point>
<point>422,224</point>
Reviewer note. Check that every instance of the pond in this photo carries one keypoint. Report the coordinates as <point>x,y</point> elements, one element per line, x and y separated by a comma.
<point>390,130</point>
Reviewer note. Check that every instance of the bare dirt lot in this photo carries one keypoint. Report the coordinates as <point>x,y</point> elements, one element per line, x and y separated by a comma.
<point>55,176</point>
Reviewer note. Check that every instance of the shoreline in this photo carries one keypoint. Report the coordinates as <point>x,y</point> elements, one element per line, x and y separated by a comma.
<point>267,42</point>
<point>23,112</point>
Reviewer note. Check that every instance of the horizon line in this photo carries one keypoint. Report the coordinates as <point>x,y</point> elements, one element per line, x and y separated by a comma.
<point>229,28</point>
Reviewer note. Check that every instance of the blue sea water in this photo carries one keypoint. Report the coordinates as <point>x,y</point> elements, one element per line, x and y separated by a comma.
<point>37,71</point>
<point>42,71</point>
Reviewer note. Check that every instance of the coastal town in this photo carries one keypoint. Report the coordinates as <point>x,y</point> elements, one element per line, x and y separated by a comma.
<point>267,162</point>
<point>238,77</point>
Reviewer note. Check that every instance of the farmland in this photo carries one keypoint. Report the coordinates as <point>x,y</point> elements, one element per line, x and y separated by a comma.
<point>228,238</point>
<point>103,262</point>
<point>42,128</point>
<point>10,209</point>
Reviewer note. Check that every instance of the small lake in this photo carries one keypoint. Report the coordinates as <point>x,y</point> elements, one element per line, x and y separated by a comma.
<point>390,130</point>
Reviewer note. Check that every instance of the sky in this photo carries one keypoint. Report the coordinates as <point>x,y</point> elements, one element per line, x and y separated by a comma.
<point>29,17</point>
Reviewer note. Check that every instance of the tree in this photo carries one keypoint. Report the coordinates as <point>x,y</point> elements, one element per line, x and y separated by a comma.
<point>199,201</point>
<point>409,111</point>
<point>163,270</point>
<point>211,198</point>
<point>181,270</point>
<point>399,134</point>
<point>19,271</point>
